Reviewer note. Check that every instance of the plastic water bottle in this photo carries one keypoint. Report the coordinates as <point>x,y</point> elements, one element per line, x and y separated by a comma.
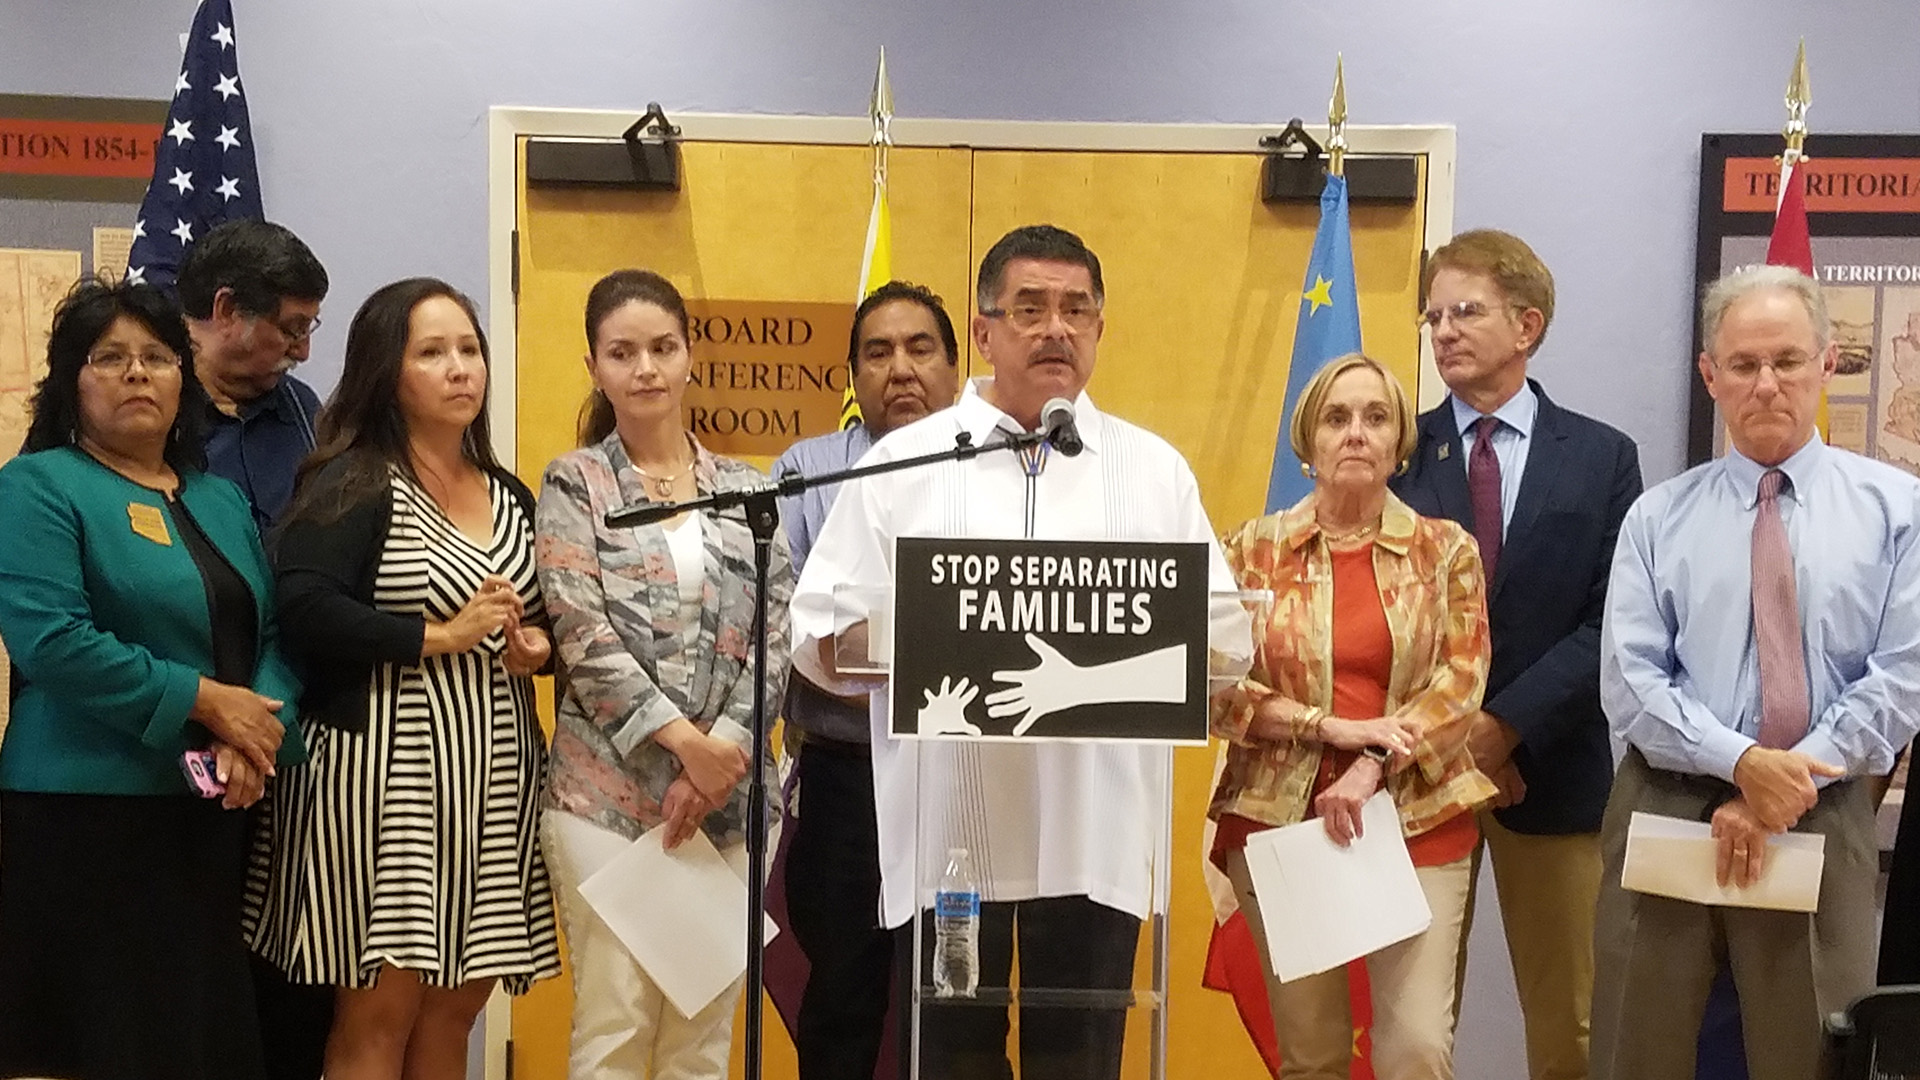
<point>956,929</point>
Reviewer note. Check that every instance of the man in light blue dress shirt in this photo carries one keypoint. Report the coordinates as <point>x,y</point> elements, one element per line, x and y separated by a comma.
<point>1681,680</point>
<point>904,359</point>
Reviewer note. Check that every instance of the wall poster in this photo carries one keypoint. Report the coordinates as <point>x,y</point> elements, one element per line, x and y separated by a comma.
<point>1863,209</point>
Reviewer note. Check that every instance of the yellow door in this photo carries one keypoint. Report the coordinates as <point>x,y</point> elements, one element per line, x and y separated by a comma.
<point>752,222</point>
<point>1203,290</point>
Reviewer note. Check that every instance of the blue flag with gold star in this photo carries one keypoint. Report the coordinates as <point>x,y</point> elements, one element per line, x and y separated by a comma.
<point>1329,328</point>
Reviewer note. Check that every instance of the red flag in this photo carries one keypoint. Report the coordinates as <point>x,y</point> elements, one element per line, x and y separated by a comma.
<point>1791,244</point>
<point>1233,966</point>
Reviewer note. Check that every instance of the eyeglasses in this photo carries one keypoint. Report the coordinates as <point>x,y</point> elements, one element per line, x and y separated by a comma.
<point>1078,314</point>
<point>117,361</point>
<point>295,331</point>
<point>1465,311</point>
<point>1785,366</point>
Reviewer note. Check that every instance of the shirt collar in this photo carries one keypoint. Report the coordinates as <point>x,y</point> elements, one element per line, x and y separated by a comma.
<point>1518,413</point>
<point>279,401</point>
<point>979,418</point>
<point>1800,469</point>
<point>1298,524</point>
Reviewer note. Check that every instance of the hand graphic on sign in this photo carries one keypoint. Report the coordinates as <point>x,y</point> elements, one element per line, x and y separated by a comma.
<point>1059,683</point>
<point>945,712</point>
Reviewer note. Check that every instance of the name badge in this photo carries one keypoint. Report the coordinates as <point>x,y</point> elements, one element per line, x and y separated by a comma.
<point>147,521</point>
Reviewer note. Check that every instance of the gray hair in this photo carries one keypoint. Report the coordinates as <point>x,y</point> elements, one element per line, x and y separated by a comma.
<point>1722,293</point>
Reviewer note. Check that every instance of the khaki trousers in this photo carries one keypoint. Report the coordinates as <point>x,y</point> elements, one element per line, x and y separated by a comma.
<point>1655,959</point>
<point>1548,888</point>
<point>1413,992</point>
<point>624,1028</point>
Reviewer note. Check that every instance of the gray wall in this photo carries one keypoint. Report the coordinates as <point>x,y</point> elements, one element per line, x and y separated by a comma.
<point>1579,120</point>
<point>1579,125</point>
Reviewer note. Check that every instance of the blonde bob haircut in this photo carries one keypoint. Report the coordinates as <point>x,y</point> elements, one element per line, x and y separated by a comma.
<point>1314,398</point>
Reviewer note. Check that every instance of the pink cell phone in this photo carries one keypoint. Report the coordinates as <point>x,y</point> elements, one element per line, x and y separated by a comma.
<point>203,775</point>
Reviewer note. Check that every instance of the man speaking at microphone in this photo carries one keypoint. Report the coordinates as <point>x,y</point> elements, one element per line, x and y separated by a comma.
<point>1063,836</point>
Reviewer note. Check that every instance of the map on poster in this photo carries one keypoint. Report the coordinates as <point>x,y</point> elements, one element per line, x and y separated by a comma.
<point>1872,285</point>
<point>31,285</point>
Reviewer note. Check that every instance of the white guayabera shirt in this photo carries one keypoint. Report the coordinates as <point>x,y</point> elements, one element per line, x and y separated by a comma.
<point>1040,820</point>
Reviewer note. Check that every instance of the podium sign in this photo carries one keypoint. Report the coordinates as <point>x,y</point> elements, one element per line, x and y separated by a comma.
<point>1049,639</point>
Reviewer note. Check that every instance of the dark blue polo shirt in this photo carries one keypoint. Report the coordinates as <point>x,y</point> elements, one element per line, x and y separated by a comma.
<point>261,449</point>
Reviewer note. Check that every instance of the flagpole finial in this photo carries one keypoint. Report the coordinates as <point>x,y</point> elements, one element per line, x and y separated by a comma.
<point>1799,99</point>
<point>880,103</point>
<point>1337,120</point>
<point>880,109</point>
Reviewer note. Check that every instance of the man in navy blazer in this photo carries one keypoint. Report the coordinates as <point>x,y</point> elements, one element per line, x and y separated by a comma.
<point>1544,490</point>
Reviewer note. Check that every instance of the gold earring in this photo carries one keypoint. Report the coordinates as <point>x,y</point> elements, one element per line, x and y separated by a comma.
<point>1306,470</point>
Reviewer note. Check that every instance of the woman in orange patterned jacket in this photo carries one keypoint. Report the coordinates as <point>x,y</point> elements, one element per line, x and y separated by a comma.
<point>1366,672</point>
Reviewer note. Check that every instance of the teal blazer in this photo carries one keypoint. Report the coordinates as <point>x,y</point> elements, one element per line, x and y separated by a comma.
<point>109,628</point>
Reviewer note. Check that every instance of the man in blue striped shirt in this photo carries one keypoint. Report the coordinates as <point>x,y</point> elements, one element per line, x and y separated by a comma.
<point>1761,659</point>
<point>904,361</point>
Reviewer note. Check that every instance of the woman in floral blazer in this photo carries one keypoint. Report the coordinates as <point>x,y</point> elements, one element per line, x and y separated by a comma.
<point>1366,672</point>
<point>653,628</point>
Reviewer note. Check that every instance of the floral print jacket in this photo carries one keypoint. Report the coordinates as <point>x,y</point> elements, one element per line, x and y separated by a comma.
<point>1434,594</point>
<point>629,663</point>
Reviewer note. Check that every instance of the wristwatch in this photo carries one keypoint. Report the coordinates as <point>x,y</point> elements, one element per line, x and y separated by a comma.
<point>1377,753</point>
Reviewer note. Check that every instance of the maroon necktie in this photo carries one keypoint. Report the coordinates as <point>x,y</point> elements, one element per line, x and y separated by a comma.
<point>1483,485</point>
<point>1776,624</point>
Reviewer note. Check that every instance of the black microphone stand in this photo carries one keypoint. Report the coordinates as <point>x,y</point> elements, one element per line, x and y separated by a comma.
<point>761,508</point>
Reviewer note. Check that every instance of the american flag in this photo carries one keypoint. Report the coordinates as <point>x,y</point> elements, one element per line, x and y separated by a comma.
<point>204,172</point>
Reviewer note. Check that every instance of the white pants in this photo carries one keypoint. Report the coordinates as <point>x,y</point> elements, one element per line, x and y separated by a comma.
<point>624,1028</point>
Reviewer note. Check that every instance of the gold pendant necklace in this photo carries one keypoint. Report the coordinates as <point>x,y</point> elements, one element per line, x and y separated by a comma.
<point>663,485</point>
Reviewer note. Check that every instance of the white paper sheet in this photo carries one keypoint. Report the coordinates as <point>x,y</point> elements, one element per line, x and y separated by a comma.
<point>680,913</point>
<point>1323,905</point>
<point>1675,858</point>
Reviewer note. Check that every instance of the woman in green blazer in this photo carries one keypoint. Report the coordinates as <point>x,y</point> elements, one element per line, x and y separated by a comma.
<point>136,603</point>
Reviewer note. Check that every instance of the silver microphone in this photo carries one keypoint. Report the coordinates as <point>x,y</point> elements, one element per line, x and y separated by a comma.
<point>1056,419</point>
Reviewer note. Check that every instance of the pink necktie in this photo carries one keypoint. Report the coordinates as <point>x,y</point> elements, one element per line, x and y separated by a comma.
<point>1483,486</point>
<point>1776,624</point>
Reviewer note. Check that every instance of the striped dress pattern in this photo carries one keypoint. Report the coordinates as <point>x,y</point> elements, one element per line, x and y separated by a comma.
<point>413,843</point>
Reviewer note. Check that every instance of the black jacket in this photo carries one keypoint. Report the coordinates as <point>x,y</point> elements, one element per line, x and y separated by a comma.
<point>1546,599</point>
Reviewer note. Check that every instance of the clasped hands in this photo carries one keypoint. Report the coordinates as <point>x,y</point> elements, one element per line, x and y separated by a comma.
<point>1492,742</point>
<point>495,605</point>
<point>1338,807</point>
<point>710,767</point>
<point>1776,788</point>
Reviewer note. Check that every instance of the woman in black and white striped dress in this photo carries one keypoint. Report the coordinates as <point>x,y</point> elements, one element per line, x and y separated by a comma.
<point>400,865</point>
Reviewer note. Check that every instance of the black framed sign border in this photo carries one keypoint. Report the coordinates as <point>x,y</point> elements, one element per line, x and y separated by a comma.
<point>1716,224</point>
